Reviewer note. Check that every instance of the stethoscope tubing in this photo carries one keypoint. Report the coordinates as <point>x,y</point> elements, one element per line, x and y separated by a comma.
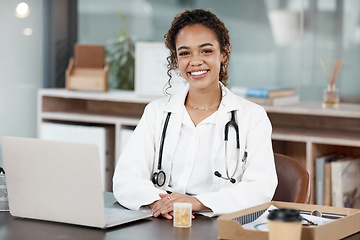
<point>163,139</point>
<point>233,123</point>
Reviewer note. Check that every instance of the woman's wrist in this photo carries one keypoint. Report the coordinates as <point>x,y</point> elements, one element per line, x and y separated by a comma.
<point>199,206</point>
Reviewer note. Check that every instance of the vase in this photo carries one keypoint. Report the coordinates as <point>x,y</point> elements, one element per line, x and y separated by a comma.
<point>331,97</point>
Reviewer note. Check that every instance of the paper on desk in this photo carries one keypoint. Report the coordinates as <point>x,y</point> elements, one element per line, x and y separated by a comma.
<point>261,223</point>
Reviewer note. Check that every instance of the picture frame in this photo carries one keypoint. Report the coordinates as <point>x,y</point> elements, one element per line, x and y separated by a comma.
<point>151,70</point>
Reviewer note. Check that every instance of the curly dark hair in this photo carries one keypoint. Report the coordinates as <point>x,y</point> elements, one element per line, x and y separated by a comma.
<point>207,19</point>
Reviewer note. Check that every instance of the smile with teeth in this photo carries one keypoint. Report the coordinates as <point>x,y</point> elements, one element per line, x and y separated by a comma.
<point>198,73</point>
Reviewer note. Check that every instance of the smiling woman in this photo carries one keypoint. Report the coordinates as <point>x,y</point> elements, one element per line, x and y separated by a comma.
<point>199,60</point>
<point>213,28</point>
<point>198,53</point>
<point>198,122</point>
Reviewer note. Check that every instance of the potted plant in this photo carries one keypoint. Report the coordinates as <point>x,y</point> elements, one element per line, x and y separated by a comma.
<point>120,53</point>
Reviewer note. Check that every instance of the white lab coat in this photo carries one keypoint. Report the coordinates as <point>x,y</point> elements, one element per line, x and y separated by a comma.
<point>256,179</point>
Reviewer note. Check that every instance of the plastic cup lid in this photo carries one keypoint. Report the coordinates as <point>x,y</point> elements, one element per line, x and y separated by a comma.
<point>285,215</point>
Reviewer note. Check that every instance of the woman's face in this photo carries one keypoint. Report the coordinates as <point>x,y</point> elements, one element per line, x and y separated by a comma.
<point>199,56</point>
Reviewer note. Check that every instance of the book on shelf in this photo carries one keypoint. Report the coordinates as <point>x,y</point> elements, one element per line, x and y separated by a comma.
<point>278,101</point>
<point>321,177</point>
<point>262,92</point>
<point>345,183</point>
<point>327,184</point>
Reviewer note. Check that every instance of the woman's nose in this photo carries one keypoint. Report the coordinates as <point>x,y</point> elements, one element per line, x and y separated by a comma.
<point>196,60</point>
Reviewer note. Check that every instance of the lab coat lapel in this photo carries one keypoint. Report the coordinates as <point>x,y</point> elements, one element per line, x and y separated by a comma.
<point>175,105</point>
<point>218,140</point>
<point>172,137</point>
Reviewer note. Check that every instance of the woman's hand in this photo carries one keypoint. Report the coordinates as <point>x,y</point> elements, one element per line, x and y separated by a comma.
<point>165,205</point>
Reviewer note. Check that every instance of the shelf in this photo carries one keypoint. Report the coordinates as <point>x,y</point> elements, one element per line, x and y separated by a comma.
<point>111,95</point>
<point>317,136</point>
<point>88,118</point>
<point>346,110</point>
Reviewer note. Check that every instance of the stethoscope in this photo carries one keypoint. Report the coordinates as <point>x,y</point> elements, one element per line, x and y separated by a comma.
<point>159,177</point>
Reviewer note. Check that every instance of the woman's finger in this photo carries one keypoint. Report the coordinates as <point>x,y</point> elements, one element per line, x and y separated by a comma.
<point>167,216</point>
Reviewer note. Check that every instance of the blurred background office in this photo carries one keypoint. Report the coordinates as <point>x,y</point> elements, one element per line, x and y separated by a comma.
<point>274,43</point>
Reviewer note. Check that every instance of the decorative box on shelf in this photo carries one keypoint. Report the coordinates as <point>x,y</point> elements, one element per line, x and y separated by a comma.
<point>88,69</point>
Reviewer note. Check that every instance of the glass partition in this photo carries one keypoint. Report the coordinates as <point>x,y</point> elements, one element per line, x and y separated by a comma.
<point>274,42</point>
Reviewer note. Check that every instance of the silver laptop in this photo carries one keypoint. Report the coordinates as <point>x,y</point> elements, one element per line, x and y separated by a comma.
<point>61,182</point>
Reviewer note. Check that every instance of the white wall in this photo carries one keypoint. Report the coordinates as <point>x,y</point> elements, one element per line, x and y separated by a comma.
<point>21,69</point>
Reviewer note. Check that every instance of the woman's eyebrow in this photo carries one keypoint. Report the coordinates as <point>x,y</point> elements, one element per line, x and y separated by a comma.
<point>202,45</point>
<point>183,47</point>
<point>206,44</point>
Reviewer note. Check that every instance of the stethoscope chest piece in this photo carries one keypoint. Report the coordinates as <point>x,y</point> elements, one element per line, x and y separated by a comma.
<point>159,178</point>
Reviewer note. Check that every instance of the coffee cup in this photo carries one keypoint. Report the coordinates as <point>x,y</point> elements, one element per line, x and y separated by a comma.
<point>284,224</point>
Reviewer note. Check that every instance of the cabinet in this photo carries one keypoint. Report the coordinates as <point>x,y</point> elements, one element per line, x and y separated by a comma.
<point>303,131</point>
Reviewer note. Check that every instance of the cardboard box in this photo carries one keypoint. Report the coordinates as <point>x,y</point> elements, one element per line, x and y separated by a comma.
<point>88,69</point>
<point>230,228</point>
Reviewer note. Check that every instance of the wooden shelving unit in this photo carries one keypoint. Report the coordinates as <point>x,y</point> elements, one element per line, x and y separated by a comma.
<point>303,131</point>
<point>306,131</point>
<point>121,109</point>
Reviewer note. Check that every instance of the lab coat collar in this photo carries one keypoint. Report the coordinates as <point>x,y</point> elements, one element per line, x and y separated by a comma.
<point>177,100</point>
<point>229,100</point>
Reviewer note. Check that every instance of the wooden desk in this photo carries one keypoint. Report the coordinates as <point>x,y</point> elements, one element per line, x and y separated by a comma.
<point>149,229</point>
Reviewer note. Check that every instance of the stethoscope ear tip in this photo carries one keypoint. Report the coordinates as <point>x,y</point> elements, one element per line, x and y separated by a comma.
<point>216,173</point>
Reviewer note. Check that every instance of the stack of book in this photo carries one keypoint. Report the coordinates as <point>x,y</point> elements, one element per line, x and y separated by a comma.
<point>337,181</point>
<point>273,96</point>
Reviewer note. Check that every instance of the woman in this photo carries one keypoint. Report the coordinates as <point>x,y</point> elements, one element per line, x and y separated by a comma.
<point>185,133</point>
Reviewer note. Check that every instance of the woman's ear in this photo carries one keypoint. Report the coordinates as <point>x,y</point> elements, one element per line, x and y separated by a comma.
<point>225,54</point>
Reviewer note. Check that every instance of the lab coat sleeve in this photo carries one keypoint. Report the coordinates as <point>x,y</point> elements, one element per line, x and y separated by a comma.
<point>132,185</point>
<point>259,180</point>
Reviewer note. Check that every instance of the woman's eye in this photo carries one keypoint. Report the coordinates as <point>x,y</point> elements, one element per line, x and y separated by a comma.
<point>207,51</point>
<point>183,53</point>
